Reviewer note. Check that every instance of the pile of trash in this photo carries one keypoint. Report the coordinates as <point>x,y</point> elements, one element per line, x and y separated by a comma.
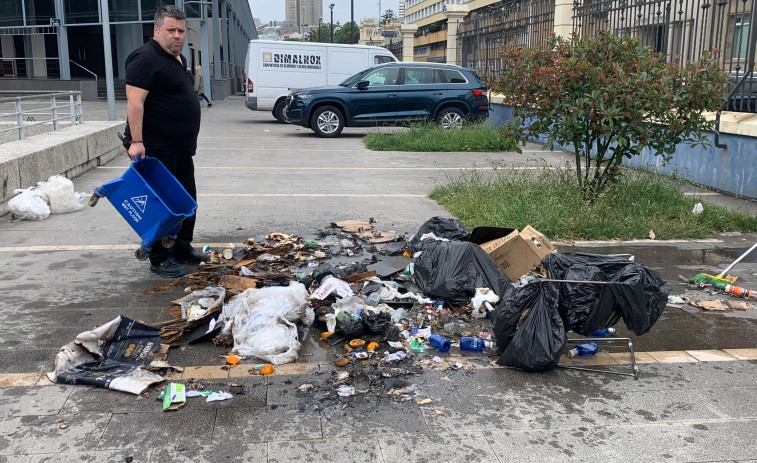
<point>55,196</point>
<point>396,306</point>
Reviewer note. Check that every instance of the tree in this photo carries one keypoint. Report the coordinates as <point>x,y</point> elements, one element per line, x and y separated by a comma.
<point>343,34</point>
<point>387,17</point>
<point>325,34</point>
<point>608,98</point>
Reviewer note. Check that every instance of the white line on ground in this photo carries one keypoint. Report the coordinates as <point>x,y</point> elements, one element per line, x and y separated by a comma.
<point>347,168</point>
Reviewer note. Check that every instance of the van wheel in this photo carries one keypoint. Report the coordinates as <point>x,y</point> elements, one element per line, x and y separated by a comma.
<point>327,122</point>
<point>279,112</point>
<point>450,118</point>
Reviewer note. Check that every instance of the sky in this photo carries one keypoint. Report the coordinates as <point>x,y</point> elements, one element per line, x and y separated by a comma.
<point>273,10</point>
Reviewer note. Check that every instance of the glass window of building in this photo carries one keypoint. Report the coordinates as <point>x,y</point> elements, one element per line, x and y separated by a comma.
<point>38,12</point>
<point>11,14</point>
<point>81,11</point>
<point>123,10</point>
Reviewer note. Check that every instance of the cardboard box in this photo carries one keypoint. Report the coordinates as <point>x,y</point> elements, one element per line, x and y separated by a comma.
<point>517,252</point>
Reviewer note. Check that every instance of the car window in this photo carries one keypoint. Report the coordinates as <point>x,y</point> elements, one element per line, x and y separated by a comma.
<point>352,79</point>
<point>419,76</point>
<point>383,76</point>
<point>381,59</point>
<point>453,77</point>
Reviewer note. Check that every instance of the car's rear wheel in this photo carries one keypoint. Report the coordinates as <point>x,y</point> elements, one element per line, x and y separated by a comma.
<point>327,122</point>
<point>450,118</point>
<point>279,112</point>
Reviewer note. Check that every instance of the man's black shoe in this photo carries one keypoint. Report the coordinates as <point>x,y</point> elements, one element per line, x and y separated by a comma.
<point>169,268</point>
<point>191,257</point>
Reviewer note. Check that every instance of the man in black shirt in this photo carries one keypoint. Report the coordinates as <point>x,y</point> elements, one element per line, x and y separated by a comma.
<point>163,120</point>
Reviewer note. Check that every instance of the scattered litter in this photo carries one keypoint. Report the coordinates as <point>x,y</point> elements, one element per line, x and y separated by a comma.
<point>437,359</point>
<point>218,396</point>
<point>424,402</point>
<point>173,396</point>
<point>651,235</point>
<point>440,412</point>
<point>698,209</point>
<point>345,391</point>
<point>233,360</point>
<point>719,305</point>
<point>113,356</point>
<point>304,387</point>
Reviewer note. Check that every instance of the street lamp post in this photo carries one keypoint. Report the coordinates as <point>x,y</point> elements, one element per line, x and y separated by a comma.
<point>319,28</point>
<point>352,19</point>
<point>331,28</point>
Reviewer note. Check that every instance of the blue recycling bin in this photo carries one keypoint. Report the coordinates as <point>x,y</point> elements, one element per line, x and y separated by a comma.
<point>150,199</point>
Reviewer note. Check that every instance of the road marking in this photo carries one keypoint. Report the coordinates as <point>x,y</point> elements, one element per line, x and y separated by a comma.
<point>694,193</point>
<point>457,362</point>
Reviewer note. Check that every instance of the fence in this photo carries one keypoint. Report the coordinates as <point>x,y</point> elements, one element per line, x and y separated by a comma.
<point>52,108</point>
<point>529,22</point>
<point>683,30</point>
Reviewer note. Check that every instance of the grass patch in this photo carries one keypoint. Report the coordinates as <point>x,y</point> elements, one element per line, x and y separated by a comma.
<point>549,199</point>
<point>431,137</point>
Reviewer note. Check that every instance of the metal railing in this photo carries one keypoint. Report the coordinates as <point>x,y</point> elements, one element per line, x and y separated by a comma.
<point>683,30</point>
<point>84,69</point>
<point>527,22</point>
<point>50,107</point>
<point>23,68</point>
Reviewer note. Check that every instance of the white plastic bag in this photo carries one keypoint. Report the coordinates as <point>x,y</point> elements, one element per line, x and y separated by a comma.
<point>262,321</point>
<point>28,205</point>
<point>59,193</point>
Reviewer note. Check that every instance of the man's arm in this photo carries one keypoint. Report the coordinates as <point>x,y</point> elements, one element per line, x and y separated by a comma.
<point>135,110</point>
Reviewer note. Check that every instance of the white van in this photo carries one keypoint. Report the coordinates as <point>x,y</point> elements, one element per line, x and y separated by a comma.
<point>274,68</point>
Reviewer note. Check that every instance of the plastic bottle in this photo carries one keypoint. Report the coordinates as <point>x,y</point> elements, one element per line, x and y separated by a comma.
<point>589,348</point>
<point>603,333</point>
<point>473,343</point>
<point>439,343</point>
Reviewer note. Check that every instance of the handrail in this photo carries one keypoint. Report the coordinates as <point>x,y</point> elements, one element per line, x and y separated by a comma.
<point>74,62</point>
<point>74,113</point>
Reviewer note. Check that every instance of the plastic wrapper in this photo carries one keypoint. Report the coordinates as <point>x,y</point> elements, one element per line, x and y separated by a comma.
<point>441,227</point>
<point>636,293</point>
<point>453,270</point>
<point>537,343</point>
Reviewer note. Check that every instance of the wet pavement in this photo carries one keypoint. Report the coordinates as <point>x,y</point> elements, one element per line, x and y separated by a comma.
<point>73,272</point>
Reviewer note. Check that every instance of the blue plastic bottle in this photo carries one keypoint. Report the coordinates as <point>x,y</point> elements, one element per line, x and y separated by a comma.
<point>472,343</point>
<point>439,343</point>
<point>603,333</point>
<point>590,348</point>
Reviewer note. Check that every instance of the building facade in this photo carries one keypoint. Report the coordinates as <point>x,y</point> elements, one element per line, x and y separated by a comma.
<point>44,41</point>
<point>304,13</point>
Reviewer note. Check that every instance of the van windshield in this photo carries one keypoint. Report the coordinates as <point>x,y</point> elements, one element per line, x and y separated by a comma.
<point>352,79</point>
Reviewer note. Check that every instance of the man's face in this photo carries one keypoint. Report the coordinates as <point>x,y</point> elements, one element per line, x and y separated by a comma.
<point>171,35</point>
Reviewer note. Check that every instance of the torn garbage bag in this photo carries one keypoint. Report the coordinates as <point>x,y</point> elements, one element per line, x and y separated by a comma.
<point>112,356</point>
<point>440,227</point>
<point>452,270</point>
<point>536,344</point>
<point>635,292</point>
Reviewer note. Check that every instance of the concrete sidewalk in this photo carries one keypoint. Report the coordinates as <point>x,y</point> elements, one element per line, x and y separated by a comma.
<point>694,401</point>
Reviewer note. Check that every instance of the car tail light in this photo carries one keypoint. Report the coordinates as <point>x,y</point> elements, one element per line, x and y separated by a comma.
<point>479,92</point>
<point>250,86</point>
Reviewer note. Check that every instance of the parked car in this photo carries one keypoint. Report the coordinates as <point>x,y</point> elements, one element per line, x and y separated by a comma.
<point>391,94</point>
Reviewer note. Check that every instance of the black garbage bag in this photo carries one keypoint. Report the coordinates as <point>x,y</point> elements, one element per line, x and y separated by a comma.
<point>537,343</point>
<point>635,292</point>
<point>351,327</point>
<point>586,308</point>
<point>441,227</point>
<point>452,270</point>
<point>376,323</point>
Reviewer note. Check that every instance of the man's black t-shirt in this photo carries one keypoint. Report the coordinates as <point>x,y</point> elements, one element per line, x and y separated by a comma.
<point>171,119</point>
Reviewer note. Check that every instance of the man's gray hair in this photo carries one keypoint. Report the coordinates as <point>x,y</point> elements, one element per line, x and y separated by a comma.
<point>171,11</point>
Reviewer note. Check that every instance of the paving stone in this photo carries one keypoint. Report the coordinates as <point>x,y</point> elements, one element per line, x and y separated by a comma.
<point>274,423</point>
<point>19,434</point>
<point>435,448</point>
<point>24,400</point>
<point>140,431</point>
<point>331,450</point>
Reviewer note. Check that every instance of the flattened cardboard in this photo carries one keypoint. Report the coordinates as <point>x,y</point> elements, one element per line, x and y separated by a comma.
<point>516,252</point>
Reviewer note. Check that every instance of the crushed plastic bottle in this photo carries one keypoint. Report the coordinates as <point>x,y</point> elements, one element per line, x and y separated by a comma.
<point>439,343</point>
<point>589,348</point>
<point>474,343</point>
<point>373,299</point>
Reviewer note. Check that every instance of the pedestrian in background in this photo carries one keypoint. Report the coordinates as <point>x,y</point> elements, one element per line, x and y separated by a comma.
<point>163,117</point>
<point>200,84</point>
